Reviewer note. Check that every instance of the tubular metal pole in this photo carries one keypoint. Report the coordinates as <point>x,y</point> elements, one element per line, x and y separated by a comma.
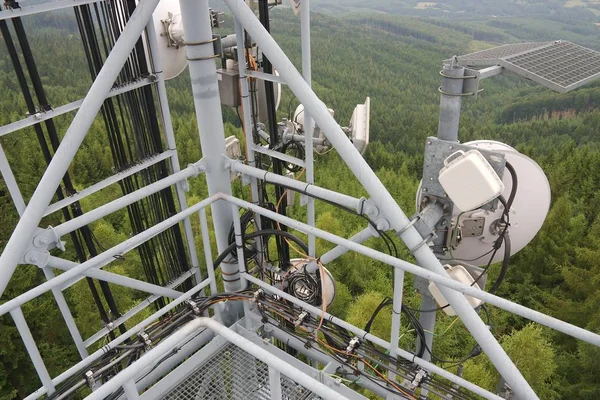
<point>207,103</point>
<point>308,122</point>
<point>449,123</point>
<point>275,383</point>
<point>269,177</point>
<point>25,229</point>
<point>450,102</point>
<point>427,320</point>
<point>67,316</point>
<point>11,183</point>
<point>387,205</point>
<point>105,256</point>
<point>239,243</point>
<point>130,390</point>
<point>125,281</point>
<point>396,313</point>
<point>32,350</point>
<point>121,202</point>
<point>170,139</point>
<point>246,108</point>
<point>210,268</point>
<point>249,127</point>
<point>339,251</point>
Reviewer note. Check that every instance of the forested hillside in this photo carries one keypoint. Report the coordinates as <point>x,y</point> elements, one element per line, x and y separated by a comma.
<point>395,61</point>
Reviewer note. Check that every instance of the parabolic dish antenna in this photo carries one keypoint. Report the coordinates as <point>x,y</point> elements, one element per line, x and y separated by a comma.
<point>168,28</point>
<point>527,215</point>
<point>479,229</point>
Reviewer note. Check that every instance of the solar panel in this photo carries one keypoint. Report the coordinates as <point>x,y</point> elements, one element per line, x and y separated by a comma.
<point>560,65</point>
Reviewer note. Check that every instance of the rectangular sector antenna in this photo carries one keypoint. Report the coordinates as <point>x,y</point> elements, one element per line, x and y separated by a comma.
<point>560,65</point>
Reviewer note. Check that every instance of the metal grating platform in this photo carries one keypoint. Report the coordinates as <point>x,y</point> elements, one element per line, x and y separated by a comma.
<point>561,66</point>
<point>233,374</point>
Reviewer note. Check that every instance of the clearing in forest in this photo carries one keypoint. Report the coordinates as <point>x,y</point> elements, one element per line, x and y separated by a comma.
<point>425,4</point>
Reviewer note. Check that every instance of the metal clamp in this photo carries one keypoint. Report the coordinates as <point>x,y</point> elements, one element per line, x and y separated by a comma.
<point>459,95</point>
<point>214,39</point>
<point>257,295</point>
<point>193,306</point>
<point>203,58</point>
<point>409,225</point>
<point>90,379</point>
<point>419,377</point>
<point>144,336</point>
<point>301,317</point>
<point>353,344</point>
<point>423,243</point>
<point>457,77</point>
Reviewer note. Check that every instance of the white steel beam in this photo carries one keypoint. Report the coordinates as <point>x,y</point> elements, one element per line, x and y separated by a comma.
<point>278,155</point>
<point>117,204</point>
<point>55,112</point>
<point>25,229</point>
<point>148,162</point>
<point>117,250</point>
<point>106,276</point>
<point>44,7</point>
<point>169,134</point>
<point>308,122</point>
<point>11,183</point>
<point>265,77</point>
<point>142,305</point>
<point>390,210</point>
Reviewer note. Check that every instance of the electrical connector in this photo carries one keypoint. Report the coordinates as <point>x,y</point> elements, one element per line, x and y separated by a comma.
<point>416,382</point>
<point>89,378</point>
<point>301,317</point>
<point>144,336</point>
<point>353,344</point>
<point>194,307</point>
<point>257,295</point>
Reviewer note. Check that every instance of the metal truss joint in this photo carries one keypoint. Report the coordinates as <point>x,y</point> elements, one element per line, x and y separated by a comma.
<point>199,167</point>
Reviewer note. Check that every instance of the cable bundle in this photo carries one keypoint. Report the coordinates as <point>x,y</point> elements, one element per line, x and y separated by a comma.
<point>131,122</point>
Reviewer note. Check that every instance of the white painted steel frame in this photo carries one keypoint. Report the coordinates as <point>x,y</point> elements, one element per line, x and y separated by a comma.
<point>44,7</point>
<point>390,210</point>
<point>25,229</point>
<point>399,264</point>
<point>64,109</point>
<point>170,140</point>
<point>468,290</point>
<point>133,371</point>
<point>150,161</point>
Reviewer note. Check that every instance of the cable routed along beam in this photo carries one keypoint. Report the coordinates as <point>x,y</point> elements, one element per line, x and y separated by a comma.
<point>73,138</point>
<point>387,205</point>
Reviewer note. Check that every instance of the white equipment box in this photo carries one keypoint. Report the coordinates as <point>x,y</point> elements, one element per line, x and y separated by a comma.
<point>459,274</point>
<point>469,180</point>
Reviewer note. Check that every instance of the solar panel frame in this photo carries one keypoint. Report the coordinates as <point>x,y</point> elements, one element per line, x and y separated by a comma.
<point>559,65</point>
